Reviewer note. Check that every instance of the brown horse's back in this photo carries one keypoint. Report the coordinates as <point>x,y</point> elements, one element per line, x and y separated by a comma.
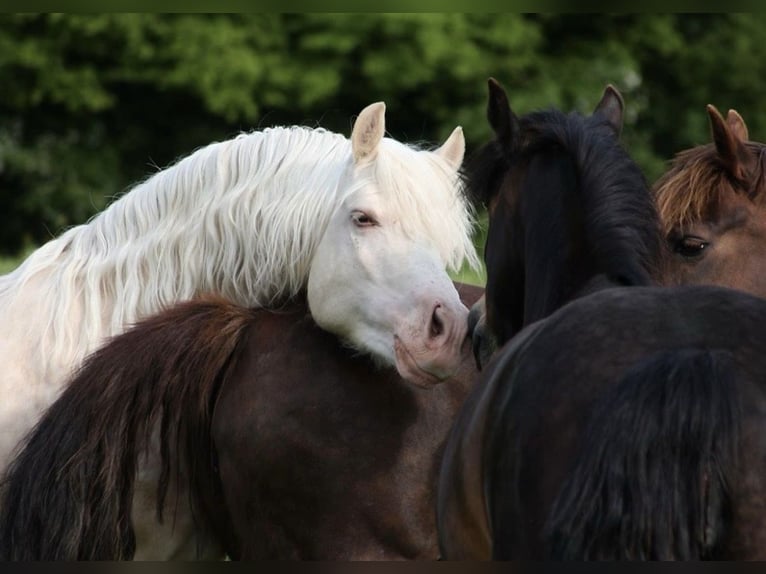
<point>322,454</point>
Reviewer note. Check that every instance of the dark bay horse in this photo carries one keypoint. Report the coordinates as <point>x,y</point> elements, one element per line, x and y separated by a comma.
<point>627,425</point>
<point>575,208</point>
<point>286,443</point>
<point>519,443</point>
<point>712,204</point>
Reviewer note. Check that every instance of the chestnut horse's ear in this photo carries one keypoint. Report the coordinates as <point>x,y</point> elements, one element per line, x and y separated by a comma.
<point>499,114</point>
<point>737,125</point>
<point>611,108</point>
<point>728,143</point>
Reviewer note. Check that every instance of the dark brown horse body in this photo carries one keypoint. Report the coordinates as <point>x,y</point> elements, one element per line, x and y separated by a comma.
<point>289,444</point>
<point>557,453</point>
<point>322,456</point>
<point>627,425</point>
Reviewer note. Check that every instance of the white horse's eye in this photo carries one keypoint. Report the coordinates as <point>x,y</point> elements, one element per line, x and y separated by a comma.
<point>362,219</point>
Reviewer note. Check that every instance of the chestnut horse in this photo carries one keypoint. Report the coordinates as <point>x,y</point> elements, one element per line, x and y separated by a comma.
<point>712,204</point>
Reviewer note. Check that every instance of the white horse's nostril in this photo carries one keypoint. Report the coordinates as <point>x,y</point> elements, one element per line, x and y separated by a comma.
<point>437,325</point>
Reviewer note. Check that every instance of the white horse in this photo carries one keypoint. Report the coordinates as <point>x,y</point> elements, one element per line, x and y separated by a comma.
<point>364,228</point>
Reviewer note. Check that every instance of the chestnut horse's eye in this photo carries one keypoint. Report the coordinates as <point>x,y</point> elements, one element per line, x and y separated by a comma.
<point>361,219</point>
<point>690,246</point>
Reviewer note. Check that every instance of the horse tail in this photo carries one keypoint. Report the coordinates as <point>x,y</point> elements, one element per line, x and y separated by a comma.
<point>651,480</point>
<point>68,493</point>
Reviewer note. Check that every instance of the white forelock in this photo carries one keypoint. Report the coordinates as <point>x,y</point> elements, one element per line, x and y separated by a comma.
<point>429,197</point>
<point>241,218</point>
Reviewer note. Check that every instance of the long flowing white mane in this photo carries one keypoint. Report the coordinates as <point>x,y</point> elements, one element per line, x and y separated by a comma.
<point>240,218</point>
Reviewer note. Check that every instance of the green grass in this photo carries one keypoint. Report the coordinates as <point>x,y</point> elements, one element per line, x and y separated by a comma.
<point>468,275</point>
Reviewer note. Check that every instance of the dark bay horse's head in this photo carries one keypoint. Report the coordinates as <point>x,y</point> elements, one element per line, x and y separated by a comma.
<point>567,206</point>
<point>712,204</point>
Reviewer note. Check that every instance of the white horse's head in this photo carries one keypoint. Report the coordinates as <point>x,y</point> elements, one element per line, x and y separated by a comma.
<point>378,278</point>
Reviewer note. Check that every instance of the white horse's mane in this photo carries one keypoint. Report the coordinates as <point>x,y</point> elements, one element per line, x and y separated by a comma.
<point>240,218</point>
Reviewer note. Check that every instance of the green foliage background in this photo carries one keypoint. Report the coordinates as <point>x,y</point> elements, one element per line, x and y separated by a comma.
<point>89,104</point>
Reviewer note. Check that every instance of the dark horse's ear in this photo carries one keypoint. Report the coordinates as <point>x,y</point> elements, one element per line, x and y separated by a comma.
<point>611,108</point>
<point>499,114</point>
<point>729,137</point>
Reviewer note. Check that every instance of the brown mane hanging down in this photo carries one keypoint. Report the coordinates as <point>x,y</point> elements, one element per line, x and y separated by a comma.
<point>163,374</point>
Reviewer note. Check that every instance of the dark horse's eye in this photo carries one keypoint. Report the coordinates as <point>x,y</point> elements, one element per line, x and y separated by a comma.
<point>690,246</point>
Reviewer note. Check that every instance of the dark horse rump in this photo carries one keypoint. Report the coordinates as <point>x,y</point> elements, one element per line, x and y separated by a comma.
<point>674,413</point>
<point>617,426</point>
<point>324,456</point>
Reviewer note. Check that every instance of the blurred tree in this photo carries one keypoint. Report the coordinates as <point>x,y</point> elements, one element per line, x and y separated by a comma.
<point>92,103</point>
<point>701,59</point>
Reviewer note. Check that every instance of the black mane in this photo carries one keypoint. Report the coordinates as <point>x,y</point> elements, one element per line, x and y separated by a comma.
<point>571,208</point>
<point>621,220</point>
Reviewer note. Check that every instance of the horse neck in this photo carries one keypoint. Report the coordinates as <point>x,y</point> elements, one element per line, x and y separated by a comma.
<point>231,219</point>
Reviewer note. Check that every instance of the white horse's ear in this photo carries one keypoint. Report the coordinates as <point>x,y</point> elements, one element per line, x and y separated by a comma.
<point>368,131</point>
<point>453,149</point>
